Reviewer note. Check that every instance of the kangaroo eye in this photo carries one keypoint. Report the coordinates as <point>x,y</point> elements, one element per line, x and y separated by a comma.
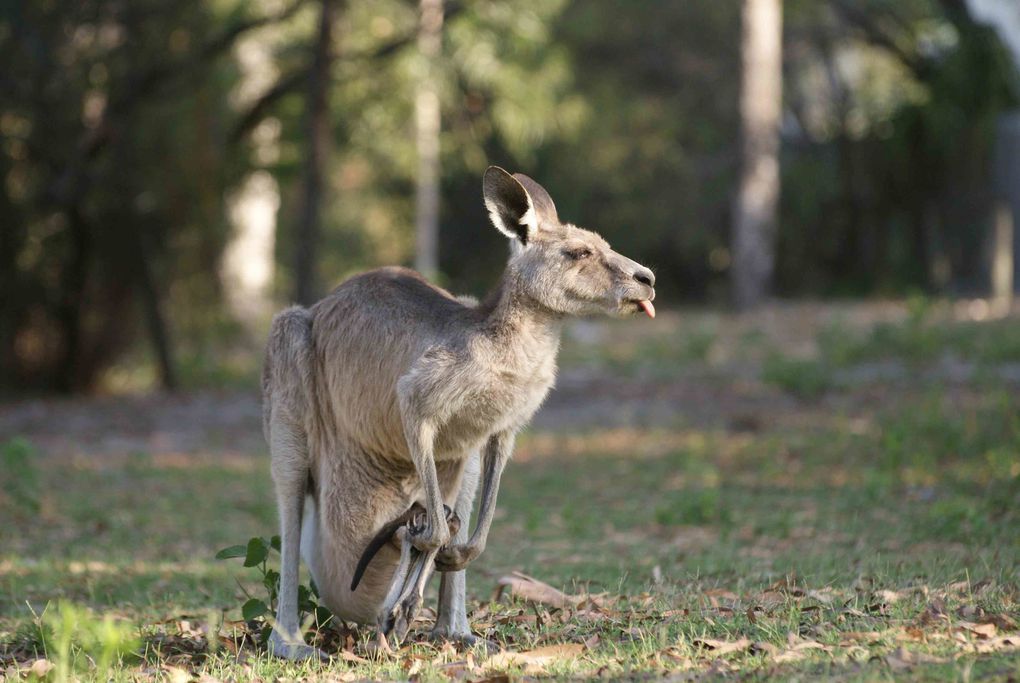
<point>577,254</point>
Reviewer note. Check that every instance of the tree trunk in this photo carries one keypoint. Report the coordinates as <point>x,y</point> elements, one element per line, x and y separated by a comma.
<point>427,129</point>
<point>159,332</point>
<point>70,374</point>
<point>248,261</point>
<point>318,135</point>
<point>1006,211</point>
<point>1002,259</point>
<point>754,223</point>
<point>12,233</point>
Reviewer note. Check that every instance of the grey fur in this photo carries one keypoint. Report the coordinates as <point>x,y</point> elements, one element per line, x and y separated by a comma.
<point>391,391</point>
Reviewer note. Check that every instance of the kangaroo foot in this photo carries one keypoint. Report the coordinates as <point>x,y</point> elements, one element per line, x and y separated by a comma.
<point>293,649</point>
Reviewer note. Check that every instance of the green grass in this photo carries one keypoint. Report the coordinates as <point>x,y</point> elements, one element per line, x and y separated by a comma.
<point>866,542</point>
<point>923,339</point>
<point>805,378</point>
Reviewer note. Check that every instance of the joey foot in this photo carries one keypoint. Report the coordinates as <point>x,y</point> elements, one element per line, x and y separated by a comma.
<point>406,612</point>
<point>426,536</point>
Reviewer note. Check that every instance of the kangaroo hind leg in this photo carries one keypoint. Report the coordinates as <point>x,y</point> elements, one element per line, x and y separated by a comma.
<point>286,378</point>
<point>407,587</point>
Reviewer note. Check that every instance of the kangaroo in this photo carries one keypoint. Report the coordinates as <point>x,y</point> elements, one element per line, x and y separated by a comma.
<point>390,395</point>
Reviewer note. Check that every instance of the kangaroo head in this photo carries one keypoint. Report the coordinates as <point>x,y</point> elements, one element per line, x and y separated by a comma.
<point>560,266</point>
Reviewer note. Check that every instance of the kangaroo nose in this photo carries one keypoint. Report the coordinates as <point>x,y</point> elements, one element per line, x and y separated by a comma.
<point>645,276</point>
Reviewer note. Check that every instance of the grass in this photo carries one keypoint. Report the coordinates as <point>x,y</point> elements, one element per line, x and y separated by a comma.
<point>870,537</point>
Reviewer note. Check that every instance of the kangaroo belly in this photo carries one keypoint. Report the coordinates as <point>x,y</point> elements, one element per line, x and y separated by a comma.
<point>360,606</point>
<point>356,497</point>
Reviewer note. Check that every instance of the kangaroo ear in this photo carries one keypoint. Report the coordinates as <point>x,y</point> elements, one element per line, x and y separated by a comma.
<point>540,199</point>
<point>510,207</point>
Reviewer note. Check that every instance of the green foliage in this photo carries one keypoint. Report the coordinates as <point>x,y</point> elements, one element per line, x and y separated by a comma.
<point>857,216</point>
<point>697,506</point>
<point>698,344</point>
<point>75,640</point>
<point>259,612</point>
<point>804,378</point>
<point>923,338</point>
<point>19,478</point>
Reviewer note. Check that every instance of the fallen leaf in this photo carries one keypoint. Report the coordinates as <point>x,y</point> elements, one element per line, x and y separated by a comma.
<point>934,613</point>
<point>901,659</point>
<point>677,659</point>
<point>722,647</point>
<point>981,586</point>
<point>722,593</point>
<point>998,644</point>
<point>914,633</point>
<point>888,597</point>
<point>458,669</point>
<point>858,653</point>
<point>789,656</point>
<point>176,674</point>
<point>788,585</point>
<point>530,588</point>
<point>1002,621</point>
<point>347,656</point>
<point>40,667</point>
<point>810,645</point>
<point>983,631</point>
<point>535,661</point>
<point>971,612</point>
<point>863,584</point>
<point>823,596</point>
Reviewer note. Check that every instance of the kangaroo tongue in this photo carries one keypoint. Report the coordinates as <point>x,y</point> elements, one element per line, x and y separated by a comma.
<point>647,307</point>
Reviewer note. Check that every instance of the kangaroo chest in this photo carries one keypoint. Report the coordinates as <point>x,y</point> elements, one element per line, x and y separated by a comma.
<point>497,399</point>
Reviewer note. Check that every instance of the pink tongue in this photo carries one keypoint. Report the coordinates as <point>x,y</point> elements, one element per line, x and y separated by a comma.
<point>647,307</point>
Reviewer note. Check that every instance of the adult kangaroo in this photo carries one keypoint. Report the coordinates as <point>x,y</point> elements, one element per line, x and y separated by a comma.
<point>391,394</point>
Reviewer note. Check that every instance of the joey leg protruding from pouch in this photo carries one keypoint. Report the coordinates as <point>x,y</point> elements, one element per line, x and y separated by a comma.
<point>407,588</point>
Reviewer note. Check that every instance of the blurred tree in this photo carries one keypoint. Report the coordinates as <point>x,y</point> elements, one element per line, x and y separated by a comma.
<point>319,141</point>
<point>894,106</point>
<point>427,130</point>
<point>761,97</point>
<point>647,152</point>
<point>91,100</point>
<point>126,141</point>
